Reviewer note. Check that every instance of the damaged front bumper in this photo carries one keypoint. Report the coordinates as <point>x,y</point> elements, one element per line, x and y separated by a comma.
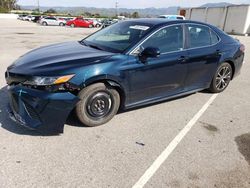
<point>40,110</point>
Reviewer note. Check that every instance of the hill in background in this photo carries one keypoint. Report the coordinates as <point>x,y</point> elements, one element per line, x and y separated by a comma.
<point>222,4</point>
<point>109,12</point>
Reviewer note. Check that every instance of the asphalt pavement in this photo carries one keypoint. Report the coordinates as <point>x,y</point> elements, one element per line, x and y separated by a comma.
<point>214,152</point>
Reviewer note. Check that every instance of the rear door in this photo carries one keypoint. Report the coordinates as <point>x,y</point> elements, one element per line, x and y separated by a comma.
<point>54,21</point>
<point>203,55</point>
<point>84,23</point>
<point>51,21</point>
<point>48,20</point>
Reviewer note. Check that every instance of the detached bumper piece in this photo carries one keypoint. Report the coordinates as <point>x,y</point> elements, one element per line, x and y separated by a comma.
<point>40,110</point>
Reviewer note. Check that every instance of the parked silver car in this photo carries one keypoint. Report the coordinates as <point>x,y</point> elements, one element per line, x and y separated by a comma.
<point>28,18</point>
<point>52,21</point>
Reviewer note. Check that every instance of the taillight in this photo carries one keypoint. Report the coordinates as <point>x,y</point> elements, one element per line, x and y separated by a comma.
<point>242,47</point>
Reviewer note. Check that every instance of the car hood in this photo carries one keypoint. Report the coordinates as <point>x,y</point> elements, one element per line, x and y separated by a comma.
<point>55,58</point>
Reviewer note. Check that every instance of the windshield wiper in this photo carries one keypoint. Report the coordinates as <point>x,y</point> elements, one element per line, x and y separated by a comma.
<point>94,46</point>
<point>84,43</point>
<point>91,45</point>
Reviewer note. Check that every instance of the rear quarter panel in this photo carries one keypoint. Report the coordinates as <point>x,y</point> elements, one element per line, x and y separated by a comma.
<point>231,53</point>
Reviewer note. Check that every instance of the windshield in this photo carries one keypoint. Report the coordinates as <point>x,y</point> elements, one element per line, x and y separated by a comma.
<point>118,37</point>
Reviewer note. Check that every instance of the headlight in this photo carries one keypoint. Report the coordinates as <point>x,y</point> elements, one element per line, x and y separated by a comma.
<point>45,81</point>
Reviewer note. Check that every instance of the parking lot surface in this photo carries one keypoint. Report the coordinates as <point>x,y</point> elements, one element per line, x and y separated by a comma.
<point>214,153</point>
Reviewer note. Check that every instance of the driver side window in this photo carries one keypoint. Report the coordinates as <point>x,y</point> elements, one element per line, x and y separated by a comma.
<point>168,39</point>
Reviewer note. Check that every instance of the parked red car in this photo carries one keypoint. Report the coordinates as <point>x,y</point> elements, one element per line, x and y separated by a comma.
<point>80,22</point>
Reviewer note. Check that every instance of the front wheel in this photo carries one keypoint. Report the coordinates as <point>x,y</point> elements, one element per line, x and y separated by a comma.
<point>98,104</point>
<point>61,24</point>
<point>72,25</point>
<point>221,78</point>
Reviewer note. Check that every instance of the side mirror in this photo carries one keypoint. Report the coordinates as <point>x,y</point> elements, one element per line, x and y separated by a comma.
<point>149,52</point>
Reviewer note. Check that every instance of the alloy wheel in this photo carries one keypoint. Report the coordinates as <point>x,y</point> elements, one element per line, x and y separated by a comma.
<point>223,77</point>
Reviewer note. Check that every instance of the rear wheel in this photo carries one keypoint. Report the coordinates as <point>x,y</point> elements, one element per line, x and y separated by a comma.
<point>72,25</point>
<point>98,104</point>
<point>98,25</point>
<point>61,24</point>
<point>90,26</point>
<point>44,23</point>
<point>221,78</point>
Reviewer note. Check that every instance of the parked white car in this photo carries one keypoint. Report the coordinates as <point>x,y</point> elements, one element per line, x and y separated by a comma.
<point>96,22</point>
<point>172,17</point>
<point>52,21</point>
<point>28,18</point>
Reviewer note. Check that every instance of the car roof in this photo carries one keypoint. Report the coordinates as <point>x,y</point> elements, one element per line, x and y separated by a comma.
<point>157,22</point>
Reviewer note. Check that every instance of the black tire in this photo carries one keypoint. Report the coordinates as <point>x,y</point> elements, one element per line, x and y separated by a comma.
<point>222,78</point>
<point>72,25</point>
<point>90,26</point>
<point>98,104</point>
<point>44,23</point>
<point>98,25</point>
<point>61,24</point>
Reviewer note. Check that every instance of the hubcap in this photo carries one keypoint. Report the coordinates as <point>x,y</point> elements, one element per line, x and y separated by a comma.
<point>223,78</point>
<point>99,105</point>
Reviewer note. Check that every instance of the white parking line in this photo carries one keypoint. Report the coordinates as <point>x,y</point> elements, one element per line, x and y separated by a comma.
<point>173,144</point>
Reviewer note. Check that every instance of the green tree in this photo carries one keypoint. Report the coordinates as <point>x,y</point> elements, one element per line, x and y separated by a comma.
<point>50,11</point>
<point>8,5</point>
<point>126,14</point>
<point>135,15</point>
<point>87,14</point>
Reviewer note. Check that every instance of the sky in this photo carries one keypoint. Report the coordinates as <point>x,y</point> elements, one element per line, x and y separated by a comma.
<point>127,3</point>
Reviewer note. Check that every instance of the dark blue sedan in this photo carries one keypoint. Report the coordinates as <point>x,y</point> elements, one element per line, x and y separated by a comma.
<point>128,64</point>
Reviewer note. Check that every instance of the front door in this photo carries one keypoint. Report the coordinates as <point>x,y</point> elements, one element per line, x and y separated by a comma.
<point>162,76</point>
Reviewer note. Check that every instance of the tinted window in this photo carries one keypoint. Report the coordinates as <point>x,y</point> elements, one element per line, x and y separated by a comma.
<point>214,37</point>
<point>168,39</point>
<point>49,18</point>
<point>198,36</point>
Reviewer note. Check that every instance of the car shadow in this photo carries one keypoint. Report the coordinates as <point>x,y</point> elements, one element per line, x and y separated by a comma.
<point>72,120</point>
<point>9,125</point>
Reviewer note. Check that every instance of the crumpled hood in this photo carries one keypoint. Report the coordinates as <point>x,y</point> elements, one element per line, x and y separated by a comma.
<point>58,57</point>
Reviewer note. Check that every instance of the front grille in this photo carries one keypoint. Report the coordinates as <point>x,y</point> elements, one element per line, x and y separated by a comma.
<point>31,111</point>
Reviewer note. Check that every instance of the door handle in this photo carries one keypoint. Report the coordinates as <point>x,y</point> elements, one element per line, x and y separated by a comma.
<point>183,59</point>
<point>218,52</point>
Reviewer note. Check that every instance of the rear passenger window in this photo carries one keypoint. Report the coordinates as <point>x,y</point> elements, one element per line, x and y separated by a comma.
<point>200,36</point>
<point>214,37</point>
